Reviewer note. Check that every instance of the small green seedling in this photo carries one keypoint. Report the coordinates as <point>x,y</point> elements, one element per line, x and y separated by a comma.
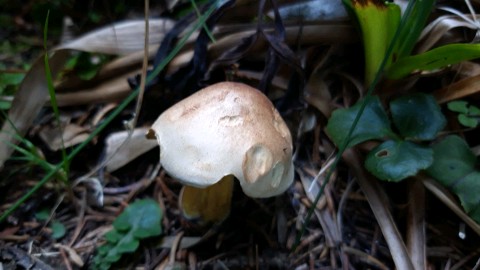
<point>139,220</point>
<point>58,229</point>
<point>468,115</point>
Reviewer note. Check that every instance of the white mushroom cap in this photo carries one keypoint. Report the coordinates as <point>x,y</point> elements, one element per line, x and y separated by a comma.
<point>227,128</point>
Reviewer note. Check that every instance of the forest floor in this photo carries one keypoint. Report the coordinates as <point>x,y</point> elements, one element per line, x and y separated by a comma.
<point>307,68</point>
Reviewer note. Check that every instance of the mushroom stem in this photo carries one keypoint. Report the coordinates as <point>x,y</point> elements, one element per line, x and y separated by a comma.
<point>210,204</point>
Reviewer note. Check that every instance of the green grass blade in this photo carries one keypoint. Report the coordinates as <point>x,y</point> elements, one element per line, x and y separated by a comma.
<point>205,27</point>
<point>416,16</point>
<point>433,59</point>
<point>51,91</point>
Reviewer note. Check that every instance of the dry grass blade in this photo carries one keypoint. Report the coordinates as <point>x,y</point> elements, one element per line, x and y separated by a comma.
<point>68,136</point>
<point>416,235</point>
<point>442,194</point>
<point>438,29</point>
<point>383,216</point>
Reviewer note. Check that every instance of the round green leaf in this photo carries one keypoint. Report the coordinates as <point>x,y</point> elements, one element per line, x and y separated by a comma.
<point>397,160</point>
<point>373,124</point>
<point>467,121</point>
<point>473,111</point>
<point>468,189</point>
<point>459,106</point>
<point>113,236</point>
<point>58,230</point>
<point>417,116</point>
<point>142,217</point>
<point>452,160</point>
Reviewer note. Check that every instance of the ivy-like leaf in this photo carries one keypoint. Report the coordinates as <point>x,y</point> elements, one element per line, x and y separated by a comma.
<point>453,160</point>
<point>139,220</point>
<point>454,167</point>
<point>142,218</point>
<point>467,121</point>
<point>468,189</point>
<point>373,124</point>
<point>460,106</point>
<point>417,116</point>
<point>397,160</point>
<point>113,236</point>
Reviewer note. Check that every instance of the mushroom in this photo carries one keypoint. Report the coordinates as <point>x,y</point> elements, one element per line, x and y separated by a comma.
<point>226,129</point>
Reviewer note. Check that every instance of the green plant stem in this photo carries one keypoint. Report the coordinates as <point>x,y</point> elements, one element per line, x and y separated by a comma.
<point>51,91</point>
<point>107,121</point>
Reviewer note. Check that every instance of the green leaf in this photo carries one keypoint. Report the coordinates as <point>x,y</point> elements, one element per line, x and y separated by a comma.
<point>127,244</point>
<point>113,236</point>
<point>473,111</point>
<point>417,116</point>
<point>454,167</point>
<point>378,21</point>
<point>7,79</point>
<point>42,215</point>
<point>142,217</point>
<point>373,124</point>
<point>468,190</point>
<point>5,105</point>
<point>413,22</point>
<point>458,106</point>
<point>433,59</point>
<point>58,230</point>
<point>139,220</point>
<point>397,160</point>
<point>453,160</point>
<point>467,121</point>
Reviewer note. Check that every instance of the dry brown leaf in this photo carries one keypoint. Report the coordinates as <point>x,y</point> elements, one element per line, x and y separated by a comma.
<point>29,99</point>
<point>108,91</point>
<point>460,89</point>
<point>131,149</point>
<point>121,38</point>
<point>437,29</point>
<point>72,254</point>
<point>70,135</point>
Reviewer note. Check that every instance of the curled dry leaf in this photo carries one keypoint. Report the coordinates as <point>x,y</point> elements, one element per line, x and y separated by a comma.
<point>121,151</point>
<point>437,29</point>
<point>68,136</point>
<point>108,91</point>
<point>121,38</point>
